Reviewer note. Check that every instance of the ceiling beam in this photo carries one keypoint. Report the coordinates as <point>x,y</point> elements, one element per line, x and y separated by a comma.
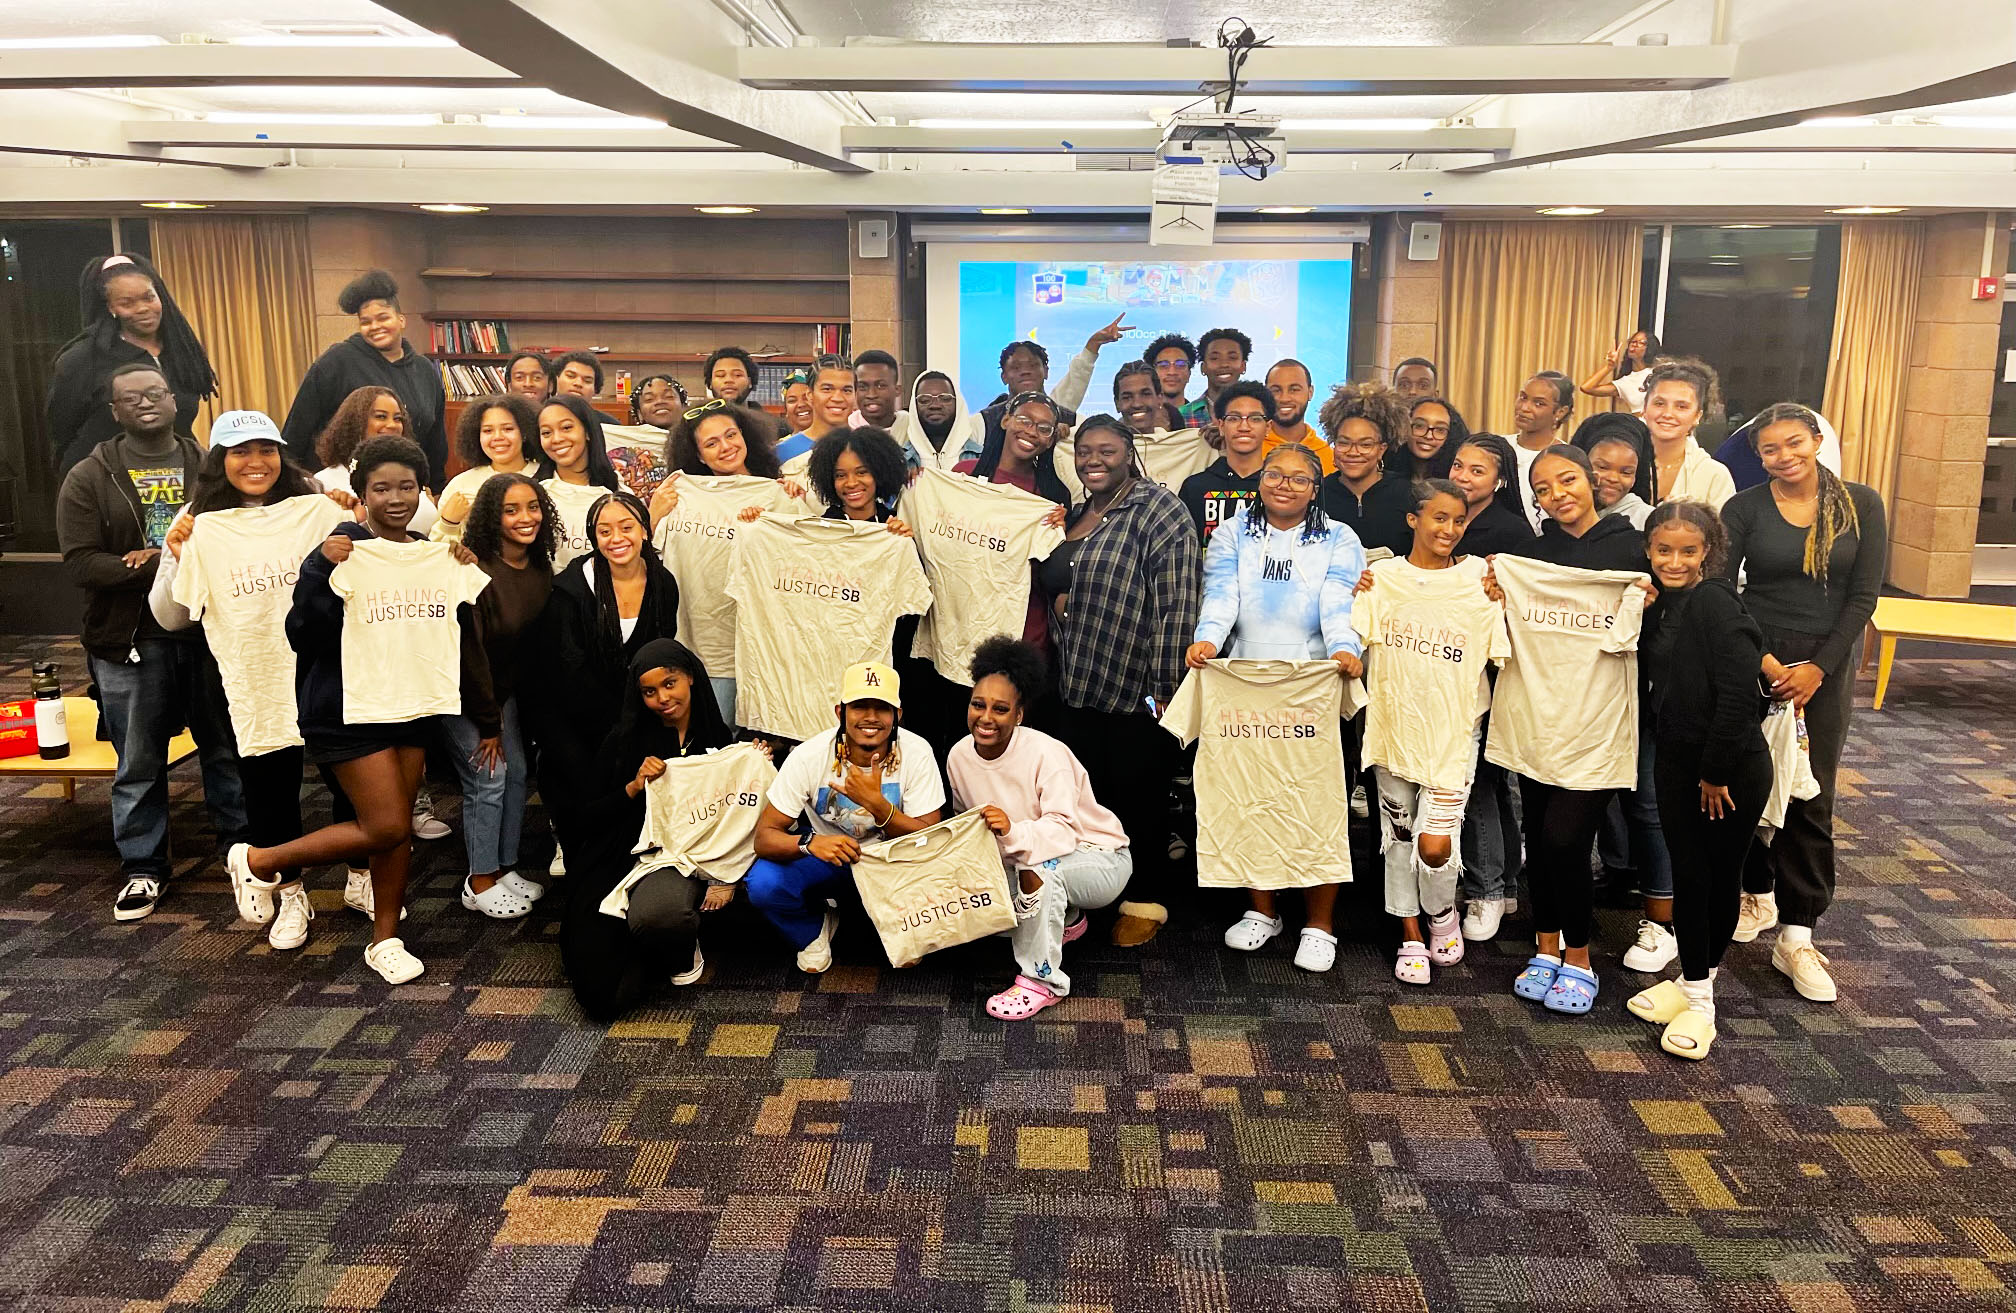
<point>1143,140</point>
<point>447,136</point>
<point>1272,71</point>
<point>627,56</point>
<point>1793,63</point>
<point>1869,140</point>
<point>248,66</point>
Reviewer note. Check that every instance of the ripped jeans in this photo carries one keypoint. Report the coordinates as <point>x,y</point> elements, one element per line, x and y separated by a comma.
<point>1408,811</point>
<point>1086,879</point>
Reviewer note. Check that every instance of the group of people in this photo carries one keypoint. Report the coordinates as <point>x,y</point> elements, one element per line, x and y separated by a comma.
<point>737,651</point>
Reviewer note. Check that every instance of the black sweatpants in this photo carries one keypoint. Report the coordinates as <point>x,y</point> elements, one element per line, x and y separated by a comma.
<point>1560,826</point>
<point>1799,861</point>
<point>1131,760</point>
<point>1708,854</point>
<point>614,962</point>
<point>272,785</point>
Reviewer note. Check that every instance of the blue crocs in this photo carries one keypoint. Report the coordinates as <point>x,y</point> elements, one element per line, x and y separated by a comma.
<point>1533,983</point>
<point>1574,990</point>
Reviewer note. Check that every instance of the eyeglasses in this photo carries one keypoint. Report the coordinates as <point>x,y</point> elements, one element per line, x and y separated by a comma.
<point>705,408</point>
<point>1040,428</point>
<point>1363,446</point>
<point>1173,364</point>
<point>936,398</point>
<point>1430,430</point>
<point>155,395</point>
<point>1244,420</point>
<point>1296,482</point>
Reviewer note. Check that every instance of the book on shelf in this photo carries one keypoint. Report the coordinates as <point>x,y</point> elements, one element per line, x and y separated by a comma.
<point>468,337</point>
<point>770,378</point>
<point>466,380</point>
<point>829,339</point>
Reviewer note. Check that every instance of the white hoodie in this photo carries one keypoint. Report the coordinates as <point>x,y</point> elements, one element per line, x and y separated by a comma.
<point>962,441</point>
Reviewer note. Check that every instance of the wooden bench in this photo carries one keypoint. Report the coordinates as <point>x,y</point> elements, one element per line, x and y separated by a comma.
<point>89,758</point>
<point>1945,622</point>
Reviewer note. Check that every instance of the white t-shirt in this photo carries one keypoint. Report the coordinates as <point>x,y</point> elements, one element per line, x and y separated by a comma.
<point>1270,772</point>
<point>336,478</point>
<point>466,484</point>
<point>700,819</point>
<point>814,596</point>
<point>402,639</point>
<point>1429,637</point>
<point>807,785</point>
<point>1566,707</point>
<point>977,539</point>
<point>237,576</point>
<point>697,540</point>
<point>571,501</point>
<point>1169,455</point>
<point>1631,389</point>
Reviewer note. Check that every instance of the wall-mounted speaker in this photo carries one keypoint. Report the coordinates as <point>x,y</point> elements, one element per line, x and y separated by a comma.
<point>1424,241</point>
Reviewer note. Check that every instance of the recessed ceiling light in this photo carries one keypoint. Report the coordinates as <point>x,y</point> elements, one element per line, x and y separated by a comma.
<point>1572,211</point>
<point>571,122</point>
<point>173,205</point>
<point>454,207</point>
<point>1992,122</point>
<point>393,41</point>
<point>1358,125</point>
<point>726,209</point>
<point>1002,209</point>
<point>80,42</point>
<point>1284,209</point>
<point>1868,209</point>
<point>1049,125</point>
<point>1838,121</point>
<point>324,120</point>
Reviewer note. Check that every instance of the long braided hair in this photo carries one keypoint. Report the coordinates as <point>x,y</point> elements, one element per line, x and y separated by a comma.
<point>1315,524</point>
<point>637,392</point>
<point>892,766</point>
<point>1834,516</point>
<point>658,615</point>
<point>1048,482</point>
<point>184,362</point>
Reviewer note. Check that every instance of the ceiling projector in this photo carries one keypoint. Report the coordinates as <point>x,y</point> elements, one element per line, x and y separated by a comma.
<point>1245,143</point>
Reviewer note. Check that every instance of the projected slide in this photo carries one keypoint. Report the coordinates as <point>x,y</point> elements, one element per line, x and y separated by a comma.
<point>1298,308</point>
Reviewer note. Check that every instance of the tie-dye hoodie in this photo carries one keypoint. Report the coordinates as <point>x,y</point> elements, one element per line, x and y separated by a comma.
<point>1277,594</point>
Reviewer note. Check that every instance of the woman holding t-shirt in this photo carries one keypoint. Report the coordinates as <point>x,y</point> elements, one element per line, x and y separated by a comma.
<point>1811,548</point>
<point>1065,852</point>
<point>717,437</point>
<point>1022,459</point>
<point>378,765</point>
<point>1254,607</point>
<point>1560,824</point>
<point>496,435</point>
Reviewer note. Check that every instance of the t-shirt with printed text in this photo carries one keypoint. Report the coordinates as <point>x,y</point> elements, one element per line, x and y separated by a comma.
<point>700,819</point>
<point>1169,456</point>
<point>697,540</point>
<point>402,637</point>
<point>807,785</point>
<point>572,502</point>
<point>1430,636</point>
<point>976,539</point>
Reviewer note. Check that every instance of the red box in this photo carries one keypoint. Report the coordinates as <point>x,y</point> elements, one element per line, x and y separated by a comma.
<point>1987,289</point>
<point>17,728</point>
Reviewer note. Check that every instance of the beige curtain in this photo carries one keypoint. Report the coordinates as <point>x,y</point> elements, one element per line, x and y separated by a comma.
<point>244,282</point>
<point>1522,296</point>
<point>1868,362</point>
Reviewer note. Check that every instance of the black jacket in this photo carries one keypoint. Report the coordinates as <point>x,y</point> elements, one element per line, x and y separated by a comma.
<point>1611,545</point>
<point>98,521</point>
<point>1379,518</point>
<point>315,632</point>
<point>1705,697</point>
<point>354,363</point>
<point>582,708</point>
<point>78,415</point>
<point>1496,529</point>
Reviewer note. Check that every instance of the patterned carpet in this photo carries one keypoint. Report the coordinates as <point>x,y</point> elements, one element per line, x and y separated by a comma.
<point>189,1121</point>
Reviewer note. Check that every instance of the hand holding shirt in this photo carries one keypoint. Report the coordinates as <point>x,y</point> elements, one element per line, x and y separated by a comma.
<point>402,636</point>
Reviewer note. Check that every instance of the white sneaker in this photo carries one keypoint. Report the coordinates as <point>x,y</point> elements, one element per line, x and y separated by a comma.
<point>254,896</point>
<point>1317,950</point>
<point>1655,950</point>
<point>290,923</point>
<point>389,958</point>
<point>500,902</point>
<point>693,972</point>
<point>357,892</point>
<point>1481,919</point>
<point>426,825</point>
<point>1251,932</point>
<point>558,866</point>
<point>530,890</point>
<point>1759,913</point>
<point>815,957</point>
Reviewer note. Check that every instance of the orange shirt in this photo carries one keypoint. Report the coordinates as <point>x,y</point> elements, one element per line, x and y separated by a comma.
<point>1313,441</point>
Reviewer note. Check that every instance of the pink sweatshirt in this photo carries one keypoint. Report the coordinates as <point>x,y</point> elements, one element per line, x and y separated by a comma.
<point>1045,792</point>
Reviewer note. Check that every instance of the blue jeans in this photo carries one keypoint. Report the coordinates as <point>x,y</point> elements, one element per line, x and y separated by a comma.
<point>792,895</point>
<point>1491,848</point>
<point>1631,837</point>
<point>724,696</point>
<point>493,802</point>
<point>144,704</point>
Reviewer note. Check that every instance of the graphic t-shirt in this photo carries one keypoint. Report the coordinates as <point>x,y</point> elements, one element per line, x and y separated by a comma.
<point>977,539</point>
<point>572,502</point>
<point>1215,494</point>
<point>637,454</point>
<point>237,575</point>
<point>1269,773</point>
<point>697,540</point>
<point>700,819</point>
<point>402,641</point>
<point>1169,456</point>
<point>1566,708</point>
<point>1429,638</point>
<point>814,596</point>
<point>161,495</point>
<point>807,785</point>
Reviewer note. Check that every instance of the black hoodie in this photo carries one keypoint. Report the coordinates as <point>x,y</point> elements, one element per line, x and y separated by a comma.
<point>354,363</point>
<point>78,415</point>
<point>1612,544</point>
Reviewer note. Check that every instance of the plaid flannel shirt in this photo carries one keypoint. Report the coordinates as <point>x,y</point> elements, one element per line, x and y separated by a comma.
<point>1135,592</point>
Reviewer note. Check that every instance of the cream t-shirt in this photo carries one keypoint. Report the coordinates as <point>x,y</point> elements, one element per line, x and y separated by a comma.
<point>1566,708</point>
<point>977,539</point>
<point>700,819</point>
<point>697,540</point>
<point>1169,455</point>
<point>814,596</point>
<point>1270,772</point>
<point>572,502</point>
<point>467,484</point>
<point>1429,638</point>
<point>940,886</point>
<point>237,575</point>
<point>402,638</point>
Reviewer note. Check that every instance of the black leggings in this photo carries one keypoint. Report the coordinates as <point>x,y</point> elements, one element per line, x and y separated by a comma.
<point>1798,863</point>
<point>1708,854</point>
<point>614,963</point>
<point>1131,760</point>
<point>1560,825</point>
<point>272,784</point>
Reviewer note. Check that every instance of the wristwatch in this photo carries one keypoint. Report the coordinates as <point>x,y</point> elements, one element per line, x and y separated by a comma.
<point>805,841</point>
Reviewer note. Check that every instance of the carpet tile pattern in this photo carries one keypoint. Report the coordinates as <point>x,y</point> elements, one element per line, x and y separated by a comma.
<point>189,1121</point>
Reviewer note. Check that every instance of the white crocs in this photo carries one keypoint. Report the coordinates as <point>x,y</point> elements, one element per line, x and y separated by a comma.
<point>1317,950</point>
<point>389,958</point>
<point>530,890</point>
<point>500,902</point>
<point>254,896</point>
<point>1252,931</point>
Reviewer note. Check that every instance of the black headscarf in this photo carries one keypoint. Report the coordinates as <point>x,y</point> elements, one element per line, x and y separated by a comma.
<point>640,734</point>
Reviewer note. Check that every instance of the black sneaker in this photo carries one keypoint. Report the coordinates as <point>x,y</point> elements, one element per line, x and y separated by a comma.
<point>137,898</point>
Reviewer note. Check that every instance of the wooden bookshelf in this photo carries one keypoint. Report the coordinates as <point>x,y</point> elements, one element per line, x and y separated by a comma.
<point>619,276</point>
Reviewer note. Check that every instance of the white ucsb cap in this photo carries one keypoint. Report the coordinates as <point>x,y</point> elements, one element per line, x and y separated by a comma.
<point>236,426</point>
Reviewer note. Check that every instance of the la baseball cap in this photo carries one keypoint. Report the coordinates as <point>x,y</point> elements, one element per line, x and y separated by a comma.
<point>870,682</point>
<point>236,426</point>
